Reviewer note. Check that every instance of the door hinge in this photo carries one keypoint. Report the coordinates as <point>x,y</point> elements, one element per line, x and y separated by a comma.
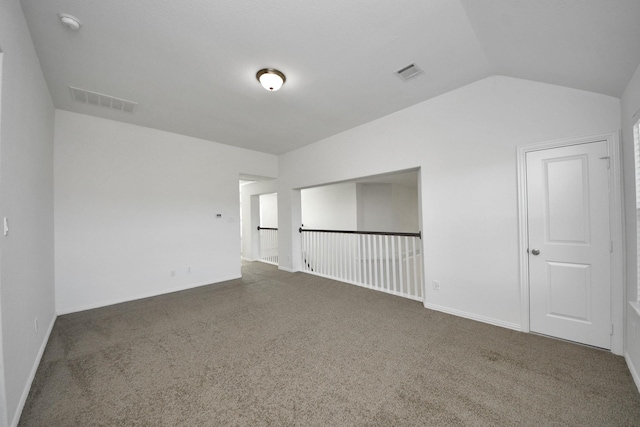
<point>611,333</point>
<point>610,245</point>
<point>608,159</point>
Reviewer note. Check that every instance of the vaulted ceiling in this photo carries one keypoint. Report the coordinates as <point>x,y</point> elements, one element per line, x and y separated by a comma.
<point>191,65</point>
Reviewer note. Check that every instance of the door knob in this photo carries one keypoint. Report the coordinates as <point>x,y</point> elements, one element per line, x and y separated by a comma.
<point>535,251</point>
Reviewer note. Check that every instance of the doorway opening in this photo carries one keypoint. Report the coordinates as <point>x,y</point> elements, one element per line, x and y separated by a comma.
<point>268,228</point>
<point>257,211</point>
<point>243,182</point>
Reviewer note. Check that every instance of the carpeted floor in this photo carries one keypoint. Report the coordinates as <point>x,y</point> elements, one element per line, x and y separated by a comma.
<point>275,348</point>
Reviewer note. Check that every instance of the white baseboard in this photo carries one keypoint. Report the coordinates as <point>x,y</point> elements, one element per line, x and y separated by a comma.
<point>287,269</point>
<point>144,295</point>
<point>483,319</point>
<point>32,374</point>
<point>634,372</point>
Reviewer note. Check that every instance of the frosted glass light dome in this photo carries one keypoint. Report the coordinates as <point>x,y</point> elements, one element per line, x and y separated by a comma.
<point>271,79</point>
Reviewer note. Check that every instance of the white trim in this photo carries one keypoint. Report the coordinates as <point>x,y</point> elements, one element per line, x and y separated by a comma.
<point>287,269</point>
<point>32,374</point>
<point>478,318</point>
<point>634,372</point>
<point>618,274</point>
<point>523,256</point>
<point>616,227</point>
<point>4,413</point>
<point>145,295</point>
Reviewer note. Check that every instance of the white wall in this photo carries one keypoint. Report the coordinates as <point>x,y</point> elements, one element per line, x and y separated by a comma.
<point>465,144</point>
<point>387,207</point>
<point>330,207</point>
<point>26,199</point>
<point>361,206</point>
<point>406,208</point>
<point>269,210</point>
<point>133,205</point>
<point>374,207</point>
<point>630,105</point>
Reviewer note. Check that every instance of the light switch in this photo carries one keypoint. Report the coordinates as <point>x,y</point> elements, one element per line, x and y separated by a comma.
<point>6,226</point>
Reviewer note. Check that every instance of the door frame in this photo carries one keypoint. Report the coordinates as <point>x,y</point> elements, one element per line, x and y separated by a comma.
<point>616,227</point>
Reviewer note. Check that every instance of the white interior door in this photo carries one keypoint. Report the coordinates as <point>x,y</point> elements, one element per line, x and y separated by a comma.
<point>569,243</point>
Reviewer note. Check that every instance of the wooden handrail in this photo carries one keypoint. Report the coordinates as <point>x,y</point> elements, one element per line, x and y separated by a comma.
<point>379,233</point>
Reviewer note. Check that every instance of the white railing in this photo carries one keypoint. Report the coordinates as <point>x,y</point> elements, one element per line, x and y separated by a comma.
<point>387,262</point>
<point>268,245</point>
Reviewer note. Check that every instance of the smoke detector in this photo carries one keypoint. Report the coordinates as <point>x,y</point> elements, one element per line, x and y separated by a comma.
<point>70,21</point>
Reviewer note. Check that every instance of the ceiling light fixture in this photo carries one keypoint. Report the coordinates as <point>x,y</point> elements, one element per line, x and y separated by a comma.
<point>271,79</point>
<point>70,21</point>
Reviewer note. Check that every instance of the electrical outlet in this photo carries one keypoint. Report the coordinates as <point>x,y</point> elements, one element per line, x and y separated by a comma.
<point>436,285</point>
<point>35,325</point>
<point>173,273</point>
<point>188,270</point>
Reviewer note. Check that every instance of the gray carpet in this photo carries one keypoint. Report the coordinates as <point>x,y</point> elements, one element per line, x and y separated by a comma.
<point>275,348</point>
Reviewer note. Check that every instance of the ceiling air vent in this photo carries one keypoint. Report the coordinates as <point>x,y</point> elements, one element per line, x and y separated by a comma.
<point>409,72</point>
<point>94,98</point>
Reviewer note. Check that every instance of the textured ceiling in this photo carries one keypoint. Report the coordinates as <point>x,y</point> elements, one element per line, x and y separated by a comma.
<point>592,45</point>
<point>191,66</point>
